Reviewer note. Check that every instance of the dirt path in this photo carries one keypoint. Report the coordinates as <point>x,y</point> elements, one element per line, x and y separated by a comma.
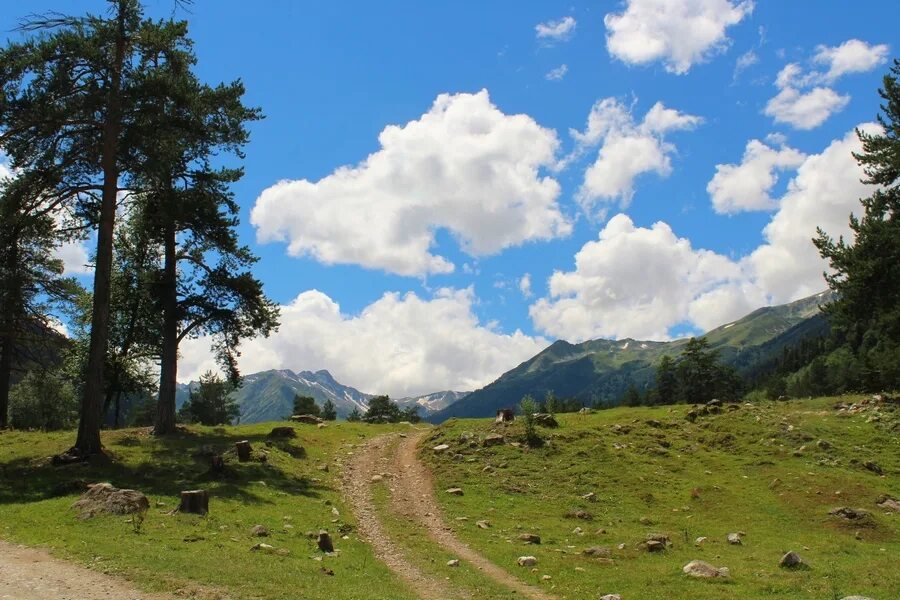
<point>413,496</point>
<point>30,574</point>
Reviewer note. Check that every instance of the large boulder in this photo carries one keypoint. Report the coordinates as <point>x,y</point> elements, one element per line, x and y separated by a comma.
<point>704,570</point>
<point>545,420</point>
<point>493,439</point>
<point>307,419</point>
<point>283,432</point>
<point>104,498</point>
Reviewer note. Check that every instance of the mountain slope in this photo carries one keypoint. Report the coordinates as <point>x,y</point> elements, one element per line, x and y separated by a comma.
<point>602,370</point>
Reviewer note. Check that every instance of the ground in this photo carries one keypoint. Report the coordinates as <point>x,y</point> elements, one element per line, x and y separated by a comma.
<point>770,470</point>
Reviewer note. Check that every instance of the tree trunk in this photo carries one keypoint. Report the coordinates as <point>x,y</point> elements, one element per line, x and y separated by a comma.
<point>168,372</point>
<point>88,440</point>
<point>244,450</point>
<point>5,372</point>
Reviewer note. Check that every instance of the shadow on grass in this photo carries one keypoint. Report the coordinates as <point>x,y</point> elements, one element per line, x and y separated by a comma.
<point>161,466</point>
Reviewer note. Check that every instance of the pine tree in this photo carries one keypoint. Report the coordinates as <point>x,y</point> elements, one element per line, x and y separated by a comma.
<point>329,413</point>
<point>666,381</point>
<point>210,402</point>
<point>865,314</point>
<point>306,405</point>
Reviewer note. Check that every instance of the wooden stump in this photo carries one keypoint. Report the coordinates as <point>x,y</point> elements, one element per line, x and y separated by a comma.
<point>216,466</point>
<point>324,542</point>
<point>195,502</point>
<point>243,450</point>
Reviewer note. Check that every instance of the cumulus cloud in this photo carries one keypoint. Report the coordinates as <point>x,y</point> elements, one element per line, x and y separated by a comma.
<point>400,345</point>
<point>853,56</point>
<point>525,285</point>
<point>558,30</point>
<point>75,258</point>
<point>680,33</point>
<point>746,186</point>
<point>464,166</point>
<point>805,99</point>
<point>627,149</point>
<point>557,74</point>
<point>640,282</point>
<point>744,62</point>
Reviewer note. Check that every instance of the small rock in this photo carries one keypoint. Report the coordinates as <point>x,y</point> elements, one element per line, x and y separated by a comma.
<point>621,546</point>
<point>700,540</point>
<point>377,478</point>
<point>578,531</point>
<point>823,445</point>
<point>704,570</point>
<point>611,597</point>
<point>323,468</point>
<point>851,514</point>
<point>493,439</point>
<point>453,563</point>
<point>483,524</point>
<point>259,531</point>
<point>455,491</point>
<point>526,561</point>
<point>888,503</point>
<point>646,521</point>
<point>791,560</point>
<point>590,497</point>
<point>856,598</point>
<point>598,551</point>
<point>871,466</point>
<point>654,546</point>
<point>263,548</point>
<point>441,447</point>
<point>546,578</point>
<point>734,539</point>
<point>529,538</point>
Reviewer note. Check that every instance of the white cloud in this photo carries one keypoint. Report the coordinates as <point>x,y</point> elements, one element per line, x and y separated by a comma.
<point>744,62</point>
<point>559,30</point>
<point>746,186</point>
<point>557,74</point>
<point>400,345</point>
<point>853,56</point>
<point>631,282</point>
<point>681,33</point>
<point>525,285</point>
<point>75,258</point>
<point>805,110</point>
<point>640,282</point>
<point>464,166</point>
<point>627,149</point>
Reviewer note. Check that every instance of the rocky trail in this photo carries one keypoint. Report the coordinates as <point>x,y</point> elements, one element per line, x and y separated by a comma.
<point>31,574</point>
<point>412,495</point>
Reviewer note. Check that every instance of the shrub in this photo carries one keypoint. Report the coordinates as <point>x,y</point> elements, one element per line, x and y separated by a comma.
<point>43,400</point>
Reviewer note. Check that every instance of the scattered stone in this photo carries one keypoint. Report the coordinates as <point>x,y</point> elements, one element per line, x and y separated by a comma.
<point>654,546</point>
<point>658,537</point>
<point>578,531</point>
<point>871,466</point>
<point>104,498</point>
<point>734,539</point>
<point>263,548</point>
<point>259,531</point>
<point>546,578</point>
<point>590,497</point>
<point>307,419</point>
<point>611,597</point>
<point>323,468</point>
<point>775,483</point>
<point>700,540</point>
<point>323,541</point>
<point>704,570</point>
<point>493,439</point>
<point>441,448</point>
<point>526,561</point>
<point>598,551</point>
<point>856,598</point>
<point>654,423</point>
<point>483,524</point>
<point>545,420</point>
<point>580,514</point>
<point>792,560</point>
<point>529,538</point>
<point>453,563</point>
<point>455,491</point>
<point>851,514</point>
<point>283,432</point>
<point>646,521</point>
<point>377,478</point>
<point>823,445</point>
<point>888,503</point>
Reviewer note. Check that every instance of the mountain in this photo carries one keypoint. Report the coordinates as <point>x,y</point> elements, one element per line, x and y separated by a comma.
<point>602,370</point>
<point>269,395</point>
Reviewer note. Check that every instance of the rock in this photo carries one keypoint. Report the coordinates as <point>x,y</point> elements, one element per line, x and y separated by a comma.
<point>700,540</point>
<point>545,420</point>
<point>578,531</point>
<point>654,546</point>
<point>263,548</point>
<point>259,531</point>
<point>584,410</point>
<point>856,598</point>
<point>658,537</point>
<point>529,538</point>
<point>104,498</point>
<point>283,432</point>
<point>598,552</point>
<point>734,539</point>
<point>791,560</point>
<point>453,563</point>
<point>377,478</point>
<point>871,466</point>
<point>654,423</point>
<point>611,597</point>
<point>590,497</point>
<point>483,524</point>
<point>646,521</point>
<point>580,514</point>
<point>546,578</point>
<point>323,468</point>
<point>493,439</point>
<point>441,448</point>
<point>323,541</point>
<point>851,514</point>
<point>455,491</point>
<point>704,570</point>
<point>823,445</point>
<point>888,503</point>
<point>526,561</point>
<point>307,419</point>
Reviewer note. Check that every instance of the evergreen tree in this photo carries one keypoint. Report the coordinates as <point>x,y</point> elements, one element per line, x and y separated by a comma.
<point>329,413</point>
<point>382,410</point>
<point>666,381</point>
<point>354,415</point>
<point>210,403</point>
<point>305,405</point>
<point>865,314</point>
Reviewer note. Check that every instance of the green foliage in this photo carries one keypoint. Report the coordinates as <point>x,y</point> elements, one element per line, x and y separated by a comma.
<point>383,410</point>
<point>210,402</point>
<point>354,415</point>
<point>551,403</point>
<point>306,405</point>
<point>528,407</point>
<point>632,397</point>
<point>43,400</point>
<point>697,376</point>
<point>329,413</point>
<point>865,314</point>
<point>666,381</point>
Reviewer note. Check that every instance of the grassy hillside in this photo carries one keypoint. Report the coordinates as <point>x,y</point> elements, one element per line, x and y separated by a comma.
<point>602,370</point>
<point>201,557</point>
<point>770,470</point>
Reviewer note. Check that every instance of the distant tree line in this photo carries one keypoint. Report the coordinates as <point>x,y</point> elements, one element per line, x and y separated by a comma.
<point>382,409</point>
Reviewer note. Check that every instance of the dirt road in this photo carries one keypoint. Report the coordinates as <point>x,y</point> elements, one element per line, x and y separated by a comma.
<point>413,496</point>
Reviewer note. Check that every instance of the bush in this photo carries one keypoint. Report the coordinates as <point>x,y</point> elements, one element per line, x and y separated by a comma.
<point>528,406</point>
<point>43,400</point>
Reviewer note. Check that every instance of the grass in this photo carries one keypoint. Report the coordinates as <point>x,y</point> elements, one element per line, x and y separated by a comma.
<point>759,470</point>
<point>204,557</point>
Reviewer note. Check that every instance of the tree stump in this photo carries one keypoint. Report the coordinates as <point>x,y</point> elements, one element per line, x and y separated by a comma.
<point>195,502</point>
<point>243,450</point>
<point>216,466</point>
<point>324,542</point>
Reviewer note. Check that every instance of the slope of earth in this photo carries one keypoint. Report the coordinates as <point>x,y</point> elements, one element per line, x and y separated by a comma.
<point>289,493</point>
<point>602,370</point>
<point>772,471</point>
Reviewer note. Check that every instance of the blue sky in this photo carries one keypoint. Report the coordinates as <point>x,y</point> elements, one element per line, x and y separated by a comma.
<point>490,167</point>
